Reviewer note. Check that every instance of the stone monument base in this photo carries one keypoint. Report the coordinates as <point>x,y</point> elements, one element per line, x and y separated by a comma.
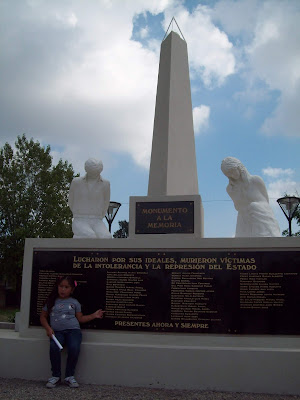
<point>220,362</point>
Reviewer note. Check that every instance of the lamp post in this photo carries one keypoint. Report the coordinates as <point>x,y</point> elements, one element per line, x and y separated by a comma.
<point>289,207</point>
<point>112,210</point>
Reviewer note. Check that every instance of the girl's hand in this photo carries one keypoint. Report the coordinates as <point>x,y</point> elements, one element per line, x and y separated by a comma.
<point>49,332</point>
<point>99,313</point>
<point>87,318</point>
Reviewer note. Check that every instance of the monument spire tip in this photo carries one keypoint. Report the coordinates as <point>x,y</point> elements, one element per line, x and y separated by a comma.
<point>171,28</point>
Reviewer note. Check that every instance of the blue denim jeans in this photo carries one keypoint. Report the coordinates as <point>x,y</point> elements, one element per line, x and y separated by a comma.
<point>72,339</point>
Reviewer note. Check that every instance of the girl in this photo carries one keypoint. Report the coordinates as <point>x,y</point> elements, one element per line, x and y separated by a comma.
<point>65,316</point>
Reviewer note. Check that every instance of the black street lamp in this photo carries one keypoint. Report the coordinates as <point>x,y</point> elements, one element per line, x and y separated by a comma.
<point>289,207</point>
<point>113,208</point>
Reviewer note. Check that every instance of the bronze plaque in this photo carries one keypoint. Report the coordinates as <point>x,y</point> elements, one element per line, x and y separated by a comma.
<point>164,217</point>
<point>244,292</point>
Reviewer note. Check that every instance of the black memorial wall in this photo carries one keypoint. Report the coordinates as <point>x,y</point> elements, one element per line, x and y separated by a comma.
<point>241,292</point>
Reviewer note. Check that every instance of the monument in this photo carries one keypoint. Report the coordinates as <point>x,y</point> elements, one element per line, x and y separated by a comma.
<point>173,205</point>
<point>182,311</point>
<point>251,200</point>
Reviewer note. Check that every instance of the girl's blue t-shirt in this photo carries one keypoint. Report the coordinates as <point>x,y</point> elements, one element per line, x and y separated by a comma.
<point>62,315</point>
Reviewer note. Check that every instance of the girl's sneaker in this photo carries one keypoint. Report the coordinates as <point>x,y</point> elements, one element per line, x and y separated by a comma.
<point>52,382</point>
<point>71,381</point>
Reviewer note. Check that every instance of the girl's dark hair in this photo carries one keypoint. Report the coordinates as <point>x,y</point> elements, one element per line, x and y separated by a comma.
<point>54,294</point>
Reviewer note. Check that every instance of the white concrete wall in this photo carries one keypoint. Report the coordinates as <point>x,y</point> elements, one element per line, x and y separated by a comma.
<point>264,363</point>
<point>241,364</point>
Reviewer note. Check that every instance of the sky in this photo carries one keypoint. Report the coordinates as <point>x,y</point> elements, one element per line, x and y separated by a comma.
<point>81,76</point>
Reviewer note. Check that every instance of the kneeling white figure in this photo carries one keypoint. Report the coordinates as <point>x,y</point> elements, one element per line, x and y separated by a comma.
<point>89,198</point>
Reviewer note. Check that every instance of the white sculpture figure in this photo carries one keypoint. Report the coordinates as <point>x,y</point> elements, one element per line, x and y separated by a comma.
<point>89,200</point>
<point>251,200</point>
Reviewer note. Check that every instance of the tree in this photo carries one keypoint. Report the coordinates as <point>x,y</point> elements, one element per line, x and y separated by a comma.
<point>33,201</point>
<point>123,231</point>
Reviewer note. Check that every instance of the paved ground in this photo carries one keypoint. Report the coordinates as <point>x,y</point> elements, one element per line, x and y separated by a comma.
<point>18,389</point>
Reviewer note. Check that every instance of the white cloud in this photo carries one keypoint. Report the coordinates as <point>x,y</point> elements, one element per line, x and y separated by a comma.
<point>276,172</point>
<point>70,19</point>
<point>210,51</point>
<point>280,183</point>
<point>267,44</point>
<point>74,76</point>
<point>201,118</point>
<point>143,33</point>
<point>236,17</point>
<point>282,187</point>
<point>274,56</point>
<point>71,73</point>
<point>285,119</point>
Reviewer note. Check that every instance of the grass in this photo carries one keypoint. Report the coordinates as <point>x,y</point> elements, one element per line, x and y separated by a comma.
<point>8,314</point>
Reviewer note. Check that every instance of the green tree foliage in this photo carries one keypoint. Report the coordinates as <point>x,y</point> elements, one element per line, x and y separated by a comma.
<point>123,231</point>
<point>33,201</point>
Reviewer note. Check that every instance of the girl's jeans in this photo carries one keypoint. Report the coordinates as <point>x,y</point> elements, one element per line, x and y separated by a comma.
<point>72,339</point>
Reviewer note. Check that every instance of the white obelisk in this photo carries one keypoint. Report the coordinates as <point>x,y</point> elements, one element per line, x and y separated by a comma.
<point>173,204</point>
<point>173,168</point>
